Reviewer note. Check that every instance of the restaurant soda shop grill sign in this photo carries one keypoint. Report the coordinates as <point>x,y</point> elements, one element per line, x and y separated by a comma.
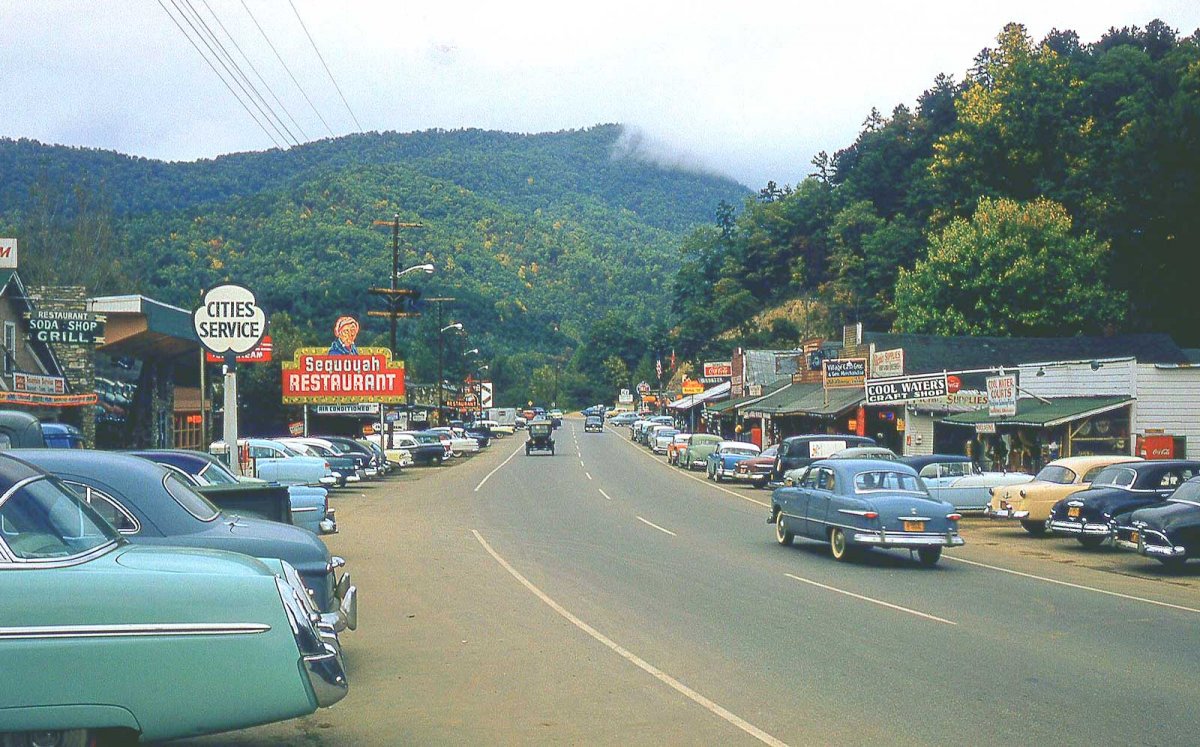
<point>69,327</point>
<point>316,377</point>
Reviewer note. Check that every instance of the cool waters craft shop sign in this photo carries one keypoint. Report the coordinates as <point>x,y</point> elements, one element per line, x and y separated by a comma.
<point>317,377</point>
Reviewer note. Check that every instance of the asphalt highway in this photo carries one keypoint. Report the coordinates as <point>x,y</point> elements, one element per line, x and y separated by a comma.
<point>600,596</point>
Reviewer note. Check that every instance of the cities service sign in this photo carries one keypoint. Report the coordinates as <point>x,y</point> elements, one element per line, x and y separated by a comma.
<point>229,320</point>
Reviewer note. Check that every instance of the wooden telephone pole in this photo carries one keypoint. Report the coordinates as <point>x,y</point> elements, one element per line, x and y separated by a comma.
<point>399,301</point>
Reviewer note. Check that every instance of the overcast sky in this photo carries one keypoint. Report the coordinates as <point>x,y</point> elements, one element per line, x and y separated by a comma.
<point>751,90</point>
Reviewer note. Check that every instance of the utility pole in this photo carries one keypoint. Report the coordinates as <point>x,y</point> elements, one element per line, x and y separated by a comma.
<point>399,301</point>
<point>441,397</point>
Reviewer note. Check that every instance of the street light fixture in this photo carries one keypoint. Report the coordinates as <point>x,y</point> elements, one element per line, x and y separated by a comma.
<point>441,389</point>
<point>427,269</point>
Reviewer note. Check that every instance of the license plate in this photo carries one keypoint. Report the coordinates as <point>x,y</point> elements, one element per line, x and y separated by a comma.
<point>914,526</point>
<point>1133,537</point>
<point>1073,512</point>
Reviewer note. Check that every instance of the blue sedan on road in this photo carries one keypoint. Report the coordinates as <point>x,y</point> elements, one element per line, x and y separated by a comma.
<point>859,503</point>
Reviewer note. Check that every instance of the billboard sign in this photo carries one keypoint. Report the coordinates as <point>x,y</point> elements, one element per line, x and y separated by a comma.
<point>37,384</point>
<point>8,254</point>
<point>718,369</point>
<point>887,363</point>
<point>69,327</point>
<point>844,373</point>
<point>318,377</point>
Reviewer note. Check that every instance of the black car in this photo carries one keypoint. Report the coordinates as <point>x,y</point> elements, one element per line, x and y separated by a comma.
<point>801,451</point>
<point>1119,489</point>
<point>593,424</point>
<point>1169,531</point>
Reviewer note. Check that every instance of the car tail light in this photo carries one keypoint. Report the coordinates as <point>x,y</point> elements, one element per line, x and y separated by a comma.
<point>953,517</point>
<point>870,515</point>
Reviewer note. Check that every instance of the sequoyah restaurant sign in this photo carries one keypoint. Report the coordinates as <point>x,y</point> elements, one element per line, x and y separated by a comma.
<point>318,377</point>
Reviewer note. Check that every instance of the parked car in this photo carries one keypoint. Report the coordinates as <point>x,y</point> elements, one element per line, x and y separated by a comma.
<point>20,430</point>
<point>801,451</point>
<point>1119,489</point>
<point>757,470</point>
<point>662,439</point>
<point>676,447</point>
<point>1169,531</point>
<point>1031,502</point>
<point>459,443</point>
<point>393,458</point>
<point>345,468</point>
<point>699,446</point>
<point>151,505</point>
<point>723,460</point>
<point>99,621</point>
<point>62,436</point>
<point>624,418</point>
<point>303,505</point>
<point>274,462</point>
<point>373,463</point>
<point>958,480</point>
<point>425,448</point>
<point>496,429</point>
<point>646,437</point>
<point>593,424</point>
<point>853,504</point>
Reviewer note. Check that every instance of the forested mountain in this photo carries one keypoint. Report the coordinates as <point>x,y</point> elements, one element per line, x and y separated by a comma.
<point>534,235</point>
<point>1055,190</point>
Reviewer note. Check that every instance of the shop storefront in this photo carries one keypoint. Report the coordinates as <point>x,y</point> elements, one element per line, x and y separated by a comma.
<point>1042,430</point>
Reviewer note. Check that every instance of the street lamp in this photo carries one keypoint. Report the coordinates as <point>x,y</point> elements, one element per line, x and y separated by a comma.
<point>427,269</point>
<point>441,398</point>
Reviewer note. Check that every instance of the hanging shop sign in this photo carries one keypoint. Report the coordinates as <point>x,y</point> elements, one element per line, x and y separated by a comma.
<point>1002,396</point>
<point>887,363</point>
<point>319,376</point>
<point>263,352</point>
<point>48,400</point>
<point>66,327</point>
<point>692,387</point>
<point>905,388</point>
<point>843,373</point>
<point>229,320</point>
<point>37,384</point>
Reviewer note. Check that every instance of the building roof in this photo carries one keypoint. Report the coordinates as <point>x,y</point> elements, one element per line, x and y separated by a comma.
<point>690,401</point>
<point>932,353</point>
<point>769,367</point>
<point>1039,414</point>
<point>144,328</point>
<point>743,402</point>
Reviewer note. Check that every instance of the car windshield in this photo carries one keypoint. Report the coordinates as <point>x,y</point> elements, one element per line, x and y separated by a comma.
<point>1116,477</point>
<point>44,520</point>
<point>289,451</point>
<point>875,480</point>
<point>192,502</point>
<point>1057,474</point>
<point>216,474</point>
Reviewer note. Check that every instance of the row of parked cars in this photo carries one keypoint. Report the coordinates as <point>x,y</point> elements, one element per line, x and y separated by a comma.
<point>1150,507</point>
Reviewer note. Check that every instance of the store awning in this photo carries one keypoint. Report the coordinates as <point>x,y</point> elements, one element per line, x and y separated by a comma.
<point>783,400</point>
<point>744,402</point>
<point>828,403</point>
<point>690,401</point>
<point>1038,414</point>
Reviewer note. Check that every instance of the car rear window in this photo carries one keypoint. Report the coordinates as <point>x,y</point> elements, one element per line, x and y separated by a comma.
<point>192,502</point>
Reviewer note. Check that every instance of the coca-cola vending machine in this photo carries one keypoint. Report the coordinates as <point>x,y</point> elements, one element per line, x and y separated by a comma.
<point>1161,446</point>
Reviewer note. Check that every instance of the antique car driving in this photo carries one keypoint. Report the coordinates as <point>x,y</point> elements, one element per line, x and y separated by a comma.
<point>1120,489</point>
<point>801,451</point>
<point>699,446</point>
<point>303,505</point>
<point>723,460</point>
<point>540,437</point>
<point>957,479</point>
<point>676,447</point>
<point>854,504</point>
<point>593,424</point>
<point>1169,531</point>
<point>116,641</point>
<point>1030,503</point>
<point>149,504</point>
<point>757,470</point>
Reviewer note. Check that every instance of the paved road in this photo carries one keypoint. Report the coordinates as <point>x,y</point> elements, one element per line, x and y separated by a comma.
<point>601,597</point>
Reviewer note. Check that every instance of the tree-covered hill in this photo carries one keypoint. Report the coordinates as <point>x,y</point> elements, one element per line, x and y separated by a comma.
<point>534,235</point>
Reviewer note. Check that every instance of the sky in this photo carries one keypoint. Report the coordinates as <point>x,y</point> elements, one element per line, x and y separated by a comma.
<point>751,91</point>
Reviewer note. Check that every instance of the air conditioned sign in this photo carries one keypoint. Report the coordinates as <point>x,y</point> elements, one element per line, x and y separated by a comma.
<point>906,388</point>
<point>360,409</point>
<point>68,327</point>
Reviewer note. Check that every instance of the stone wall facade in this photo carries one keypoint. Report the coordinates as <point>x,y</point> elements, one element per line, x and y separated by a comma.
<point>77,361</point>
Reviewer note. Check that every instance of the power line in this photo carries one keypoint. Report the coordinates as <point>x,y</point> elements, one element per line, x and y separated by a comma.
<point>327,70</point>
<point>218,74</point>
<point>285,67</point>
<point>257,74</point>
<point>236,73</point>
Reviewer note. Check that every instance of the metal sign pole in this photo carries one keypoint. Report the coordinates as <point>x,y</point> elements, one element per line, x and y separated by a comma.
<point>230,419</point>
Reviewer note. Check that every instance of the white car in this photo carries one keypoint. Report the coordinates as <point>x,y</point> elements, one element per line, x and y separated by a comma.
<point>460,442</point>
<point>499,430</point>
<point>663,438</point>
